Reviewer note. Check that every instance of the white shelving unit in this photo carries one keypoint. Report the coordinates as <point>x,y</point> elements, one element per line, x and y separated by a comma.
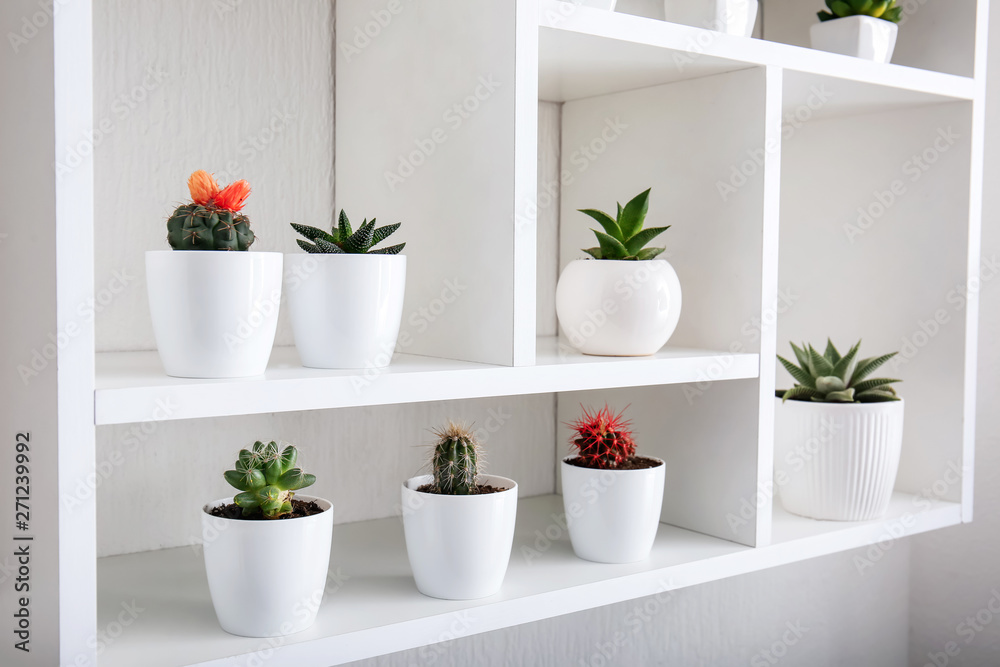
<point>762,153</point>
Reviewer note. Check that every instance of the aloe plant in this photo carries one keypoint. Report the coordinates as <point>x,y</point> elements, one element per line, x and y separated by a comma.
<point>834,378</point>
<point>344,240</point>
<point>266,478</point>
<point>886,10</point>
<point>623,236</point>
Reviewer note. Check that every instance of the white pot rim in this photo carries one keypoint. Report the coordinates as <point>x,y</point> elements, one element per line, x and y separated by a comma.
<point>345,256</point>
<point>414,483</point>
<point>856,407</point>
<point>859,18</point>
<point>322,502</point>
<point>238,253</point>
<point>619,261</point>
<point>565,462</point>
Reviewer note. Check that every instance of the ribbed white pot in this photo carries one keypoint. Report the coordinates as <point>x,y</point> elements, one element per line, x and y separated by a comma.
<point>459,546</point>
<point>618,308</point>
<point>214,312</point>
<point>837,461</point>
<point>733,17</point>
<point>345,309</point>
<point>612,515</point>
<point>267,578</point>
<point>859,36</point>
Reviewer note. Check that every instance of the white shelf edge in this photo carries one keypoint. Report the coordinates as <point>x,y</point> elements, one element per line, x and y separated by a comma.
<point>750,52</point>
<point>131,386</point>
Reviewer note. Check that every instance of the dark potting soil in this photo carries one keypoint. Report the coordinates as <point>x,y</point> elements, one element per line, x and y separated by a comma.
<point>300,508</point>
<point>480,490</point>
<point>633,463</point>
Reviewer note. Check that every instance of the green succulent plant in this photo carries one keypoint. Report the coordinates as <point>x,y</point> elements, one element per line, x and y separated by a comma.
<point>343,240</point>
<point>886,10</point>
<point>266,478</point>
<point>829,377</point>
<point>623,236</point>
<point>455,461</point>
<point>196,227</point>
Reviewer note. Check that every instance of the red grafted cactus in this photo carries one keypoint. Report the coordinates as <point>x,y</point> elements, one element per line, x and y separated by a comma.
<point>603,439</point>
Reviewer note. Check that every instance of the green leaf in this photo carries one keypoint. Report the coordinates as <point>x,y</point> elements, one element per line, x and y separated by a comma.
<point>343,226</point>
<point>360,241</point>
<point>845,396</point>
<point>840,8</point>
<point>611,248</point>
<point>825,16</point>
<point>640,240</point>
<point>868,366</point>
<point>801,355</point>
<point>649,253</point>
<point>873,396</point>
<point>831,353</point>
<point>245,481</point>
<point>311,233</point>
<point>844,365</point>
<point>382,233</point>
<point>801,376</point>
<point>295,479</point>
<point>800,393</point>
<point>610,226</point>
<point>829,384</point>
<point>288,458</point>
<point>634,214</point>
<point>877,383</point>
<point>619,216</point>
<point>818,363</point>
<point>594,252</point>
<point>247,500</point>
<point>328,248</point>
<point>309,247</point>
<point>389,250</point>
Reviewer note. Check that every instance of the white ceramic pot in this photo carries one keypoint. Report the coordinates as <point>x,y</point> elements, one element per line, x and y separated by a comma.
<point>859,36</point>
<point>618,308</point>
<point>267,578</point>
<point>214,312</point>
<point>608,5</point>
<point>612,515</point>
<point>459,546</point>
<point>837,461</point>
<point>345,309</point>
<point>733,17</point>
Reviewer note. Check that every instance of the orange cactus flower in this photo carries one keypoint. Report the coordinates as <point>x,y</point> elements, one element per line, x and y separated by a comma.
<point>233,196</point>
<point>203,187</point>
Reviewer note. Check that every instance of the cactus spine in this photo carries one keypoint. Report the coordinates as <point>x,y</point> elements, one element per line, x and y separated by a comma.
<point>212,221</point>
<point>266,477</point>
<point>456,461</point>
<point>603,439</point>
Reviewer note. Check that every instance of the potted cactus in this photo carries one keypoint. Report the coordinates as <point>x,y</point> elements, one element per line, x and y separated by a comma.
<point>345,296</point>
<point>611,496</point>
<point>623,300</point>
<point>214,306</point>
<point>733,17</point>
<point>838,435</point>
<point>860,28</point>
<point>458,522</point>
<point>267,550</point>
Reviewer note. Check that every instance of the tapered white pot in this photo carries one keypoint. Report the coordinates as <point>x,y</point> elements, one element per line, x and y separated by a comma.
<point>859,36</point>
<point>733,17</point>
<point>618,308</point>
<point>612,515</point>
<point>459,546</point>
<point>214,312</point>
<point>267,577</point>
<point>837,461</point>
<point>345,309</point>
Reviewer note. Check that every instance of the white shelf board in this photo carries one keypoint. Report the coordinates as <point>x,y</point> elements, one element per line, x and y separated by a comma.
<point>584,52</point>
<point>132,387</point>
<point>376,609</point>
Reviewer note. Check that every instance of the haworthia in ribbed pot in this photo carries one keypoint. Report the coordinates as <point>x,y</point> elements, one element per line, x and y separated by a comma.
<point>860,28</point>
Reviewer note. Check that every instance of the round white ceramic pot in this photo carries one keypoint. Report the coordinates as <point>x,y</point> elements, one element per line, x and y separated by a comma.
<point>859,36</point>
<point>345,309</point>
<point>618,308</point>
<point>267,578</point>
<point>837,461</point>
<point>459,546</point>
<point>733,17</point>
<point>214,312</point>
<point>612,515</point>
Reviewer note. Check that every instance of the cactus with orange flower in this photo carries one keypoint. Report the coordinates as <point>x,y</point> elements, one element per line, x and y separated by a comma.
<point>212,221</point>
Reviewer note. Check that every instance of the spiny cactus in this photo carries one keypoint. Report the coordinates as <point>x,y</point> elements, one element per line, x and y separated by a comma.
<point>343,240</point>
<point>213,220</point>
<point>623,237</point>
<point>828,378</point>
<point>455,461</point>
<point>887,10</point>
<point>267,477</point>
<point>603,439</point>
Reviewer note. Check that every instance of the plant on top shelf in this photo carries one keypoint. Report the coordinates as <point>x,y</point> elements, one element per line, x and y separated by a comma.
<point>605,460</point>
<point>887,10</point>
<point>267,478</point>
<point>343,240</point>
<point>623,236</point>
<point>834,378</point>
<point>213,220</point>
<point>635,292</point>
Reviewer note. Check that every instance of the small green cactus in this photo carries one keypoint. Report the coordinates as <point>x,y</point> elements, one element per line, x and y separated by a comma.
<point>343,240</point>
<point>456,460</point>
<point>623,237</point>
<point>195,227</point>
<point>267,477</point>
<point>827,377</point>
<point>886,10</point>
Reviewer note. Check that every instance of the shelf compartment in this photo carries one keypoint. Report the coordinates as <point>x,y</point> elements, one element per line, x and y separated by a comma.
<point>373,607</point>
<point>131,386</point>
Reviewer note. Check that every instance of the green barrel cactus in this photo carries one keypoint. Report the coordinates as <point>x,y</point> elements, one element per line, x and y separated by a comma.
<point>455,461</point>
<point>212,221</point>
<point>266,478</point>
